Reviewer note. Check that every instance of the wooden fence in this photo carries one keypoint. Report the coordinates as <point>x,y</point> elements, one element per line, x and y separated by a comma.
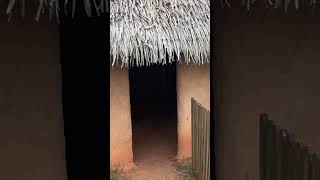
<point>200,140</point>
<point>282,157</point>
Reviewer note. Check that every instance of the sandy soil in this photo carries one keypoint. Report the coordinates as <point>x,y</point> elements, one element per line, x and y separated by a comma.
<point>155,147</point>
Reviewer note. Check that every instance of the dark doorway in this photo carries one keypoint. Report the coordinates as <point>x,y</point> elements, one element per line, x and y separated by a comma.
<point>154,111</point>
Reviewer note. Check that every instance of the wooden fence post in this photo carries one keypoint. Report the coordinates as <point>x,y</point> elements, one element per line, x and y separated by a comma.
<point>200,140</point>
<point>282,157</point>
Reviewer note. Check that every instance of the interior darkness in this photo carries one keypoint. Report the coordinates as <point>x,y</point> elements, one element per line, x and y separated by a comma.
<point>153,100</point>
<point>85,91</point>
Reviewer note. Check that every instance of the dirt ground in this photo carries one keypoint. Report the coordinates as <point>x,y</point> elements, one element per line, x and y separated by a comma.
<point>155,147</point>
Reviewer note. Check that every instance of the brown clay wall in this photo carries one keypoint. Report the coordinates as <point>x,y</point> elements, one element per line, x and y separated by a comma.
<point>192,81</point>
<point>120,119</point>
<point>31,120</point>
<point>266,62</point>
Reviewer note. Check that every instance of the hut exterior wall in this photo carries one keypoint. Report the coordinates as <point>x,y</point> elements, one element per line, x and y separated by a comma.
<point>120,119</point>
<point>192,81</point>
<point>31,120</point>
<point>266,62</point>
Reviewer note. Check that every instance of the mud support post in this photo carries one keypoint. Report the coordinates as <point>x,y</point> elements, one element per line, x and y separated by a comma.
<point>120,119</point>
<point>192,81</point>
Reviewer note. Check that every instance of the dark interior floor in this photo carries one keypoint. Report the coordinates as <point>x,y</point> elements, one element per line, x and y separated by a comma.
<point>155,133</point>
<point>154,113</point>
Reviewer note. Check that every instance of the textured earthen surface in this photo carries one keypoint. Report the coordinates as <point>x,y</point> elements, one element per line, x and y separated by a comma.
<point>267,62</point>
<point>120,120</point>
<point>31,120</point>
<point>155,146</point>
<point>192,81</point>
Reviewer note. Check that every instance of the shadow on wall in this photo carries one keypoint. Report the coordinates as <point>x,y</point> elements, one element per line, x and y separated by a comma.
<point>265,62</point>
<point>31,123</point>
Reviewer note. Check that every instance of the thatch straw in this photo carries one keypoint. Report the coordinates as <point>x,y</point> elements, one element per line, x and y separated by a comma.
<point>285,4</point>
<point>53,6</point>
<point>144,32</point>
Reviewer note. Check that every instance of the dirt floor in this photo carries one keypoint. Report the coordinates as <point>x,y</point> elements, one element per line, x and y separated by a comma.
<point>155,145</point>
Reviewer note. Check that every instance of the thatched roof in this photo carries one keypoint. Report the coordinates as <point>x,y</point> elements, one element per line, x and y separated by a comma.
<point>284,4</point>
<point>143,32</point>
<point>53,7</point>
<point>146,31</point>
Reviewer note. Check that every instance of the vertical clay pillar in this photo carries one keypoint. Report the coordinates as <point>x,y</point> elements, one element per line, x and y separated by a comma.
<point>120,120</point>
<point>192,81</point>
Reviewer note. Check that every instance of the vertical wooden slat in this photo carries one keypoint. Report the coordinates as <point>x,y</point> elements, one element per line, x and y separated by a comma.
<point>202,143</point>
<point>296,166</point>
<point>304,156</point>
<point>283,154</point>
<point>295,160</point>
<point>286,156</point>
<point>290,158</point>
<point>315,165</point>
<point>198,140</point>
<point>200,131</point>
<point>314,172</point>
<point>192,133</point>
<point>195,137</point>
<point>209,175</point>
<point>272,151</point>
<point>300,162</point>
<point>278,154</point>
<point>318,165</point>
<point>262,146</point>
<point>282,157</point>
<point>310,166</point>
<point>267,151</point>
<point>208,146</point>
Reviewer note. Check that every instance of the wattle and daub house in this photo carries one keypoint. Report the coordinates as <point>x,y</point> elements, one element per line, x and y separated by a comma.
<point>142,33</point>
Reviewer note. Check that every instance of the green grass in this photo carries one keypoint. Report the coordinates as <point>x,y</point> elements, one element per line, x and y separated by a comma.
<point>115,174</point>
<point>184,169</point>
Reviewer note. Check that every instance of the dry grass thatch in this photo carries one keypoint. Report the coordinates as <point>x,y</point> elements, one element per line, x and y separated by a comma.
<point>285,4</point>
<point>143,32</point>
<point>53,6</point>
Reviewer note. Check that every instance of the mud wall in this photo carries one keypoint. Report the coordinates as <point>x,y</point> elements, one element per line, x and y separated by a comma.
<point>31,121</point>
<point>192,81</point>
<point>120,119</point>
<point>266,62</point>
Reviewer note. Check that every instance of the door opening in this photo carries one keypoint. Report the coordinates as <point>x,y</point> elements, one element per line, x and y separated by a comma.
<point>153,101</point>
